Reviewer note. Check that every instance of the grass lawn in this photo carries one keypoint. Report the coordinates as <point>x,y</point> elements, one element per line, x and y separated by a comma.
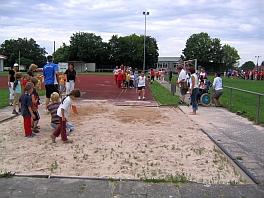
<point>163,95</point>
<point>242,101</point>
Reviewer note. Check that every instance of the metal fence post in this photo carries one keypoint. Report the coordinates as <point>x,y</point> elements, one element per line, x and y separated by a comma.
<point>230,101</point>
<point>258,107</point>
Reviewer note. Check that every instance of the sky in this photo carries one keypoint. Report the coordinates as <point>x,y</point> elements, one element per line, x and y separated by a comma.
<point>239,23</point>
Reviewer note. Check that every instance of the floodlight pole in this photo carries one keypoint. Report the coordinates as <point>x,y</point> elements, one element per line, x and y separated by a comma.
<point>257,64</point>
<point>144,61</point>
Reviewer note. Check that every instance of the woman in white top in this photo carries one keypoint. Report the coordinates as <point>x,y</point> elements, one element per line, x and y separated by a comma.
<point>193,90</point>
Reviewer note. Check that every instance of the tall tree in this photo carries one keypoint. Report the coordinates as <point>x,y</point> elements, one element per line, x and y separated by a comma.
<point>29,50</point>
<point>210,53</point>
<point>249,65</point>
<point>230,56</point>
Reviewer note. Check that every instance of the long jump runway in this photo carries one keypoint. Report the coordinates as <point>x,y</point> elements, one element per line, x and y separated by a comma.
<point>102,89</point>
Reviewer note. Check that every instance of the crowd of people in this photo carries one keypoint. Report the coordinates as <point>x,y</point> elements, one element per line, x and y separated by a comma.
<point>24,93</point>
<point>247,75</point>
<point>196,83</point>
<point>125,78</point>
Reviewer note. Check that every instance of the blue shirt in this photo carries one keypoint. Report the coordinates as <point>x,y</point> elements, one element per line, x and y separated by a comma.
<point>26,102</point>
<point>49,73</point>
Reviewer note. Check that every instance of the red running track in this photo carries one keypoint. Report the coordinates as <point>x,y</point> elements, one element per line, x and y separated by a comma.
<point>98,87</point>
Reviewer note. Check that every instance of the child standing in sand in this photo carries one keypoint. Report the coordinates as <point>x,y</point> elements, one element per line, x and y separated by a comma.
<point>54,123</point>
<point>63,112</point>
<point>26,111</point>
<point>141,86</point>
<point>35,104</point>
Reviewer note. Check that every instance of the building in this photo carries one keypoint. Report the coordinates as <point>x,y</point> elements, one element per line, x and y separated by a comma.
<point>2,57</point>
<point>168,62</point>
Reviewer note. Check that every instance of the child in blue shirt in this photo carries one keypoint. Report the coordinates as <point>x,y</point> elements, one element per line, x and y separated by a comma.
<point>26,110</point>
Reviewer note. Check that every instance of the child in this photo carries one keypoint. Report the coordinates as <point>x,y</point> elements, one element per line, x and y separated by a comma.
<point>53,112</point>
<point>124,79</point>
<point>162,77</point>
<point>17,92</point>
<point>26,79</point>
<point>157,75</point>
<point>62,83</point>
<point>127,78</point>
<point>141,86</point>
<point>119,78</point>
<point>63,112</point>
<point>26,111</point>
<point>35,104</point>
<point>160,74</point>
<point>135,80</point>
<point>131,80</point>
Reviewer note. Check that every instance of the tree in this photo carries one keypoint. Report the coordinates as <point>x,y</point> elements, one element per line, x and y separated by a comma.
<point>209,52</point>
<point>61,54</point>
<point>30,52</point>
<point>249,65</point>
<point>230,56</point>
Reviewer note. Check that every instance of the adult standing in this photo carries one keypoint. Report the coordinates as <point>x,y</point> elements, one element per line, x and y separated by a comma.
<point>193,90</point>
<point>218,89</point>
<point>10,83</point>
<point>32,68</point>
<point>50,73</point>
<point>182,82</point>
<point>71,76</point>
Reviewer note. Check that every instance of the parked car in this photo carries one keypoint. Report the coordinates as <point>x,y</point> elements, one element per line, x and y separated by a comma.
<point>39,70</point>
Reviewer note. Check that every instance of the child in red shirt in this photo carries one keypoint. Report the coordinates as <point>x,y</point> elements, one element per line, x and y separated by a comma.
<point>157,75</point>
<point>119,78</point>
<point>26,79</point>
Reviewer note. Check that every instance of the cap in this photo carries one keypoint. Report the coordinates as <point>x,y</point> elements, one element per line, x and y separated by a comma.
<point>16,65</point>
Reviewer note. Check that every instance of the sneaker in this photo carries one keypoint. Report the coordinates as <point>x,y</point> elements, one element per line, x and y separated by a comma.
<point>67,141</point>
<point>10,104</point>
<point>14,112</point>
<point>35,130</point>
<point>46,111</point>
<point>68,131</point>
<point>181,102</point>
<point>139,97</point>
<point>143,98</point>
<point>53,138</point>
<point>30,136</point>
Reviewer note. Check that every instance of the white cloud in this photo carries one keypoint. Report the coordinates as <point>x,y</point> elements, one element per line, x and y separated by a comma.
<point>237,23</point>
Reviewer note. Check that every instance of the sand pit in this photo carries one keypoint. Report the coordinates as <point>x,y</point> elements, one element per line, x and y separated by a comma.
<point>117,142</point>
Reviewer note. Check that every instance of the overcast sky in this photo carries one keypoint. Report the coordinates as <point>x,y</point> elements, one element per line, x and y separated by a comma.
<point>239,23</point>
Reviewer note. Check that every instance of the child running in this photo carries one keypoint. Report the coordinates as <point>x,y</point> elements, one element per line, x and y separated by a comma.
<point>35,104</point>
<point>63,112</point>
<point>26,111</point>
<point>141,86</point>
<point>54,123</point>
<point>17,92</point>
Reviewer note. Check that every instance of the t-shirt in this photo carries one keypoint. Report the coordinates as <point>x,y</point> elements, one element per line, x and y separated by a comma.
<point>62,80</point>
<point>66,105</point>
<point>12,75</point>
<point>31,73</point>
<point>25,81</point>
<point>141,81</point>
<point>36,96</point>
<point>119,76</point>
<point>182,76</point>
<point>53,112</point>
<point>195,81</point>
<point>217,84</point>
<point>17,86</point>
<point>71,75</point>
<point>26,102</point>
<point>49,73</point>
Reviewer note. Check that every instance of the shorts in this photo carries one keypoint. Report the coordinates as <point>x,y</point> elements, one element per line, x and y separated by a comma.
<point>37,117</point>
<point>16,97</point>
<point>218,93</point>
<point>50,89</point>
<point>183,91</point>
<point>140,88</point>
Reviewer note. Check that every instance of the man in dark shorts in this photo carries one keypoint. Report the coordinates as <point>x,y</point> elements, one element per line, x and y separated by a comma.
<point>218,90</point>
<point>50,72</point>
